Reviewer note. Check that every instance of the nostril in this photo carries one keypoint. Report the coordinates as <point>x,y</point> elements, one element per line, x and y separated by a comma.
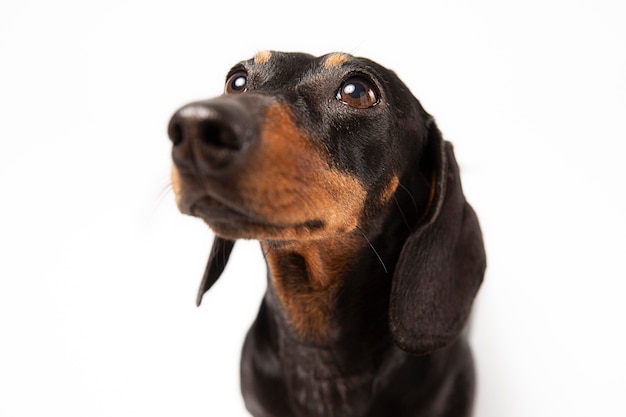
<point>175,132</point>
<point>214,133</point>
<point>208,137</point>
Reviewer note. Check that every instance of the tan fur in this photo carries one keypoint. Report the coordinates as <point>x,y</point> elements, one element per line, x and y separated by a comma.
<point>262,57</point>
<point>390,189</point>
<point>287,182</point>
<point>177,185</point>
<point>335,60</point>
<point>309,300</point>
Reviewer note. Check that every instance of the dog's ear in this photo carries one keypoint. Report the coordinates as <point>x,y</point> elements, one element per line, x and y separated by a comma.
<point>218,258</point>
<point>442,263</point>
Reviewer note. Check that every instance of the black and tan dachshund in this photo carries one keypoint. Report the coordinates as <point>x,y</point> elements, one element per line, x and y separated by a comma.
<point>374,256</point>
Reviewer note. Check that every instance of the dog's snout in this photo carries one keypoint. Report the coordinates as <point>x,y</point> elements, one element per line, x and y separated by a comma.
<point>207,137</point>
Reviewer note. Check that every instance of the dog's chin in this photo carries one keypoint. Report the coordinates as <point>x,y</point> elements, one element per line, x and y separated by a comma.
<point>232,223</point>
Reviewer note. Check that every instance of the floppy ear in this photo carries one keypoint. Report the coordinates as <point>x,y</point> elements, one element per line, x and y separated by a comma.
<point>218,258</point>
<point>442,263</point>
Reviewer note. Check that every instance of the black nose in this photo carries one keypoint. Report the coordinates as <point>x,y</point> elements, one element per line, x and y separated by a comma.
<point>210,136</point>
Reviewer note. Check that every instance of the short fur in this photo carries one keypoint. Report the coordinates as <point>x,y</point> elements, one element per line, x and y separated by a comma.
<point>374,256</point>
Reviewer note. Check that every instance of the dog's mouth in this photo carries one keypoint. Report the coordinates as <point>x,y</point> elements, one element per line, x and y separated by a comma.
<point>230,221</point>
<point>211,209</point>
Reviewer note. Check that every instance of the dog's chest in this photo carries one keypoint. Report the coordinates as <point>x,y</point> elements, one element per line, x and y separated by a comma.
<point>325,383</point>
<point>328,397</point>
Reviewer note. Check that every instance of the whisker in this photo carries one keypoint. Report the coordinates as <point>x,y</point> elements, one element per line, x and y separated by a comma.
<point>374,249</point>
<point>406,222</point>
<point>165,190</point>
<point>266,253</point>
<point>159,198</point>
<point>411,196</point>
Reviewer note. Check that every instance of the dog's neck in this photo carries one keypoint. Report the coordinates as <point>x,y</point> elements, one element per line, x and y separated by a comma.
<point>328,298</point>
<point>306,278</point>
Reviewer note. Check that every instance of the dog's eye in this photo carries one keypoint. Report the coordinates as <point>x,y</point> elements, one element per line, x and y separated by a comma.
<point>237,83</point>
<point>358,93</point>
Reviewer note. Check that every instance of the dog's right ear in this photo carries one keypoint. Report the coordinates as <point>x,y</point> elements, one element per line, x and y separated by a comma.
<point>442,263</point>
<point>218,258</point>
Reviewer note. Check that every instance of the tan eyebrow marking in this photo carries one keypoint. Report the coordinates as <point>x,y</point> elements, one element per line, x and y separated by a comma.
<point>262,57</point>
<point>335,60</point>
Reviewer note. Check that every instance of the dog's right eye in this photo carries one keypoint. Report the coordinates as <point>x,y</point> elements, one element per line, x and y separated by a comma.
<point>357,92</point>
<point>237,83</point>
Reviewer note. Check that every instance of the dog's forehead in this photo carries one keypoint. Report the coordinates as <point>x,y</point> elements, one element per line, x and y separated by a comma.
<point>294,66</point>
<point>300,60</point>
<point>270,59</point>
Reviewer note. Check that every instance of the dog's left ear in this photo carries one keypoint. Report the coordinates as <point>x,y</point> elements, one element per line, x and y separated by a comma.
<point>442,263</point>
<point>218,258</point>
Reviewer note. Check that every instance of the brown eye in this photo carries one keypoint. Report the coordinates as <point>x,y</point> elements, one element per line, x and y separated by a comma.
<point>237,83</point>
<point>358,93</point>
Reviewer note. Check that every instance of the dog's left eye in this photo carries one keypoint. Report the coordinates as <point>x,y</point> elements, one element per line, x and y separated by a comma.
<point>237,83</point>
<point>357,92</point>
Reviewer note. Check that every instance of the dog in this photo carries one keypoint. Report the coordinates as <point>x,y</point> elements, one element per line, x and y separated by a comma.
<point>374,256</point>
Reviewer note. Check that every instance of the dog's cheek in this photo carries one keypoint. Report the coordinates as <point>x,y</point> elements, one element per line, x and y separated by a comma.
<point>342,199</point>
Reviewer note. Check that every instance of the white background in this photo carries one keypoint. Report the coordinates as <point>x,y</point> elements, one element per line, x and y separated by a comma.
<point>98,270</point>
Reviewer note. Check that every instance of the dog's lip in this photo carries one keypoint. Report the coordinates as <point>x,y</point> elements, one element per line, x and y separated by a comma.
<point>214,211</point>
<point>210,209</point>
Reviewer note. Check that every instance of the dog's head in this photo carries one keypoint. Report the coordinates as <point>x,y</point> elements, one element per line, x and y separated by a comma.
<point>303,148</point>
